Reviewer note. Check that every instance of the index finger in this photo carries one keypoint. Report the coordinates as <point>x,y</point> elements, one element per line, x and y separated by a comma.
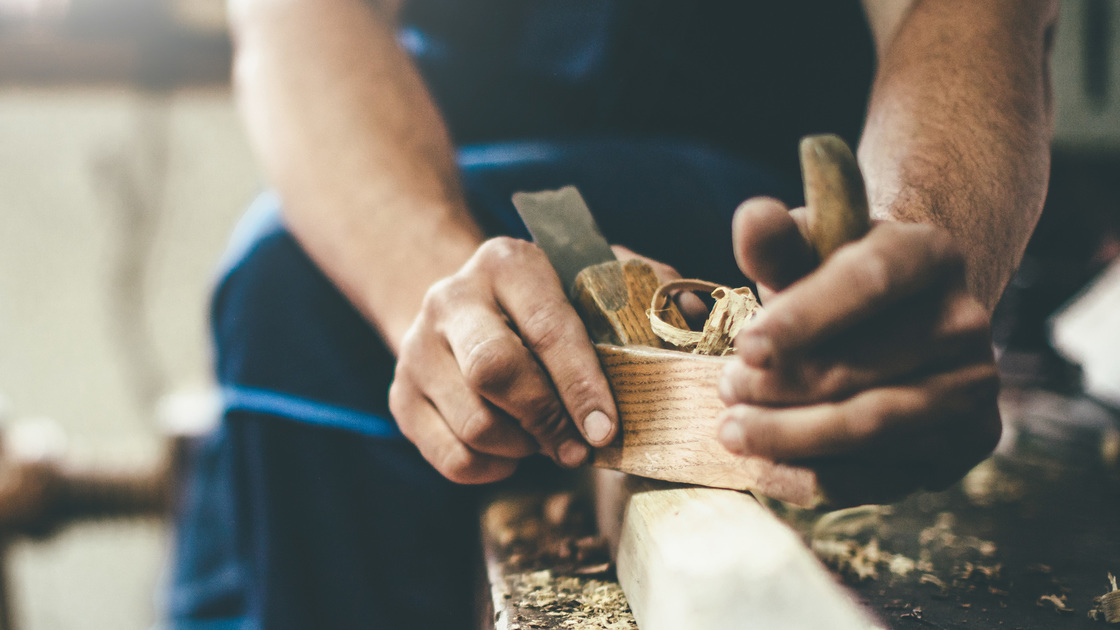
<point>548,324</point>
<point>893,262</point>
<point>910,416</point>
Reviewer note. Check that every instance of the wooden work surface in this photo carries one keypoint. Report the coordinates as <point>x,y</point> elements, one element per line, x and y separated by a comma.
<point>1039,519</point>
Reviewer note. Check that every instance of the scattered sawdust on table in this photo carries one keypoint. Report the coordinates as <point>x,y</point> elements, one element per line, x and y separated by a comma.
<point>557,573</point>
<point>582,603</point>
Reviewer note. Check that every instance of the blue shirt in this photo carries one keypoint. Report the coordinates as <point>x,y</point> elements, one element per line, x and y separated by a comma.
<point>749,77</point>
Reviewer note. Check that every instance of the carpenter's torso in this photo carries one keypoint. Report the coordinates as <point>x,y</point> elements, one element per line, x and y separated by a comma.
<point>750,76</point>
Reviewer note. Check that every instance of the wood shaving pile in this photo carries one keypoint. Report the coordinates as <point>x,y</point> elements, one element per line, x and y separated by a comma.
<point>861,562</point>
<point>574,602</point>
<point>733,309</point>
<point>556,575</point>
<point>833,540</point>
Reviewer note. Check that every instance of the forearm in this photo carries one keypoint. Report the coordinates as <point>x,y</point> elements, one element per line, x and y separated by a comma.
<point>958,128</point>
<point>347,133</point>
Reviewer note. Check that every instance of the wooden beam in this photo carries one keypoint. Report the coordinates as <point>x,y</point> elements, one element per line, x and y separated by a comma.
<point>707,559</point>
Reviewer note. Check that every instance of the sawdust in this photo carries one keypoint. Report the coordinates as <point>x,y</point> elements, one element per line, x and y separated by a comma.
<point>861,562</point>
<point>901,565</point>
<point>834,540</point>
<point>568,602</point>
<point>733,308</point>
<point>557,574</point>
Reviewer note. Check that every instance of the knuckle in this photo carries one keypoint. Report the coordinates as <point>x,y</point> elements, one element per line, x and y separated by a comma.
<point>778,323</point>
<point>447,296</point>
<point>544,418</point>
<point>411,348</point>
<point>773,386</point>
<point>970,318</point>
<point>859,425</point>
<point>502,251</point>
<point>417,350</point>
<point>491,365</point>
<point>545,327</point>
<point>398,404</point>
<point>762,438</point>
<point>437,295</point>
<point>831,381</point>
<point>581,391</point>
<point>476,427</point>
<point>455,461</point>
<point>872,274</point>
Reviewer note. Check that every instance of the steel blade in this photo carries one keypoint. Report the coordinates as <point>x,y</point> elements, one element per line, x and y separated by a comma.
<point>562,225</point>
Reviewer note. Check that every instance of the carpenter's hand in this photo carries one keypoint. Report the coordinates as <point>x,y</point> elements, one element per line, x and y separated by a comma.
<point>498,366</point>
<point>875,369</point>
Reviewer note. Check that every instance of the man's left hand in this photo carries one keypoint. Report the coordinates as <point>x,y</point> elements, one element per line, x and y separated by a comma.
<point>875,369</point>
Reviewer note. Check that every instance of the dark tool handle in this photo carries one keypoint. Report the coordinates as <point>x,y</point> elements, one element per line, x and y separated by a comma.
<point>834,194</point>
<point>613,297</point>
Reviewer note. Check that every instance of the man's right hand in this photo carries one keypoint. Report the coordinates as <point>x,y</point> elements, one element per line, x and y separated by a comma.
<point>498,366</point>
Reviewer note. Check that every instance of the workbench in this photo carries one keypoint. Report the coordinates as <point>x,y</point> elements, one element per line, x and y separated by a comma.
<point>1026,540</point>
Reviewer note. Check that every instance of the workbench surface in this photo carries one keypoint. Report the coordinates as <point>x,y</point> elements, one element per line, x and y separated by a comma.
<point>1026,540</point>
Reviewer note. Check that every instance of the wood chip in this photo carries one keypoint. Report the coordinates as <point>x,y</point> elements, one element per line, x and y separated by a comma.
<point>733,309</point>
<point>1057,602</point>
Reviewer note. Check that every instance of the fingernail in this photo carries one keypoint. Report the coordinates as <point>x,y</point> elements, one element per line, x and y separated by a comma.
<point>732,437</point>
<point>572,453</point>
<point>754,348</point>
<point>597,426</point>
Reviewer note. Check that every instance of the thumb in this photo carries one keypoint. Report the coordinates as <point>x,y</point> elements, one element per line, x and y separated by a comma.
<point>769,243</point>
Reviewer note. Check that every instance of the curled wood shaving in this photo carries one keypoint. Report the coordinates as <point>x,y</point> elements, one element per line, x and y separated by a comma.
<point>733,308</point>
<point>1057,602</point>
<point>929,578</point>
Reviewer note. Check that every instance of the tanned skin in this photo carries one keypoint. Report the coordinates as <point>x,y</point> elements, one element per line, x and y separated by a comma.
<point>875,367</point>
<point>350,138</point>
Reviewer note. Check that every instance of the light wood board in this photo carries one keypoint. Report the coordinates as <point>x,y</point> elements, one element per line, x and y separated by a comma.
<point>707,559</point>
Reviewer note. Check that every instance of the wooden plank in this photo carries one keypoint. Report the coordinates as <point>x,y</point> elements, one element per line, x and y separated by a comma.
<point>668,404</point>
<point>707,559</point>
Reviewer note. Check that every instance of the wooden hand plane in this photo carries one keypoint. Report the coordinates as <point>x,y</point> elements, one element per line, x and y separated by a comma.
<point>667,400</point>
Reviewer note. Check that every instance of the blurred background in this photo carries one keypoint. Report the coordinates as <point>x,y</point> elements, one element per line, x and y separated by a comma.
<point>122,170</point>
